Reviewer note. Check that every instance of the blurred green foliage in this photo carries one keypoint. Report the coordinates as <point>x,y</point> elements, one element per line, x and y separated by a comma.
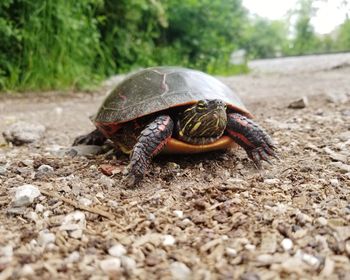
<point>58,44</point>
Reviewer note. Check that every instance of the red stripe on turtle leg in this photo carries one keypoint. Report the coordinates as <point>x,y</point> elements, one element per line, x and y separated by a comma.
<point>235,135</point>
<point>150,142</point>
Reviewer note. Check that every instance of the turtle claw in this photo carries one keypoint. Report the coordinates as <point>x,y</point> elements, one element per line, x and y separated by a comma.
<point>132,180</point>
<point>260,154</point>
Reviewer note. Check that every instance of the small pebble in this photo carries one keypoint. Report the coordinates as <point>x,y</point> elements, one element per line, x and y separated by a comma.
<point>117,250</point>
<point>334,182</point>
<point>76,234</point>
<point>106,181</point>
<point>311,260</point>
<point>180,271</point>
<point>173,166</point>
<point>179,213</point>
<point>45,237</point>
<point>151,216</point>
<point>25,195</point>
<point>321,221</point>
<point>74,221</point>
<point>84,201</point>
<point>299,104</point>
<point>84,150</point>
<point>287,244</point>
<point>3,170</point>
<point>128,263</point>
<point>21,133</point>
<point>112,203</point>
<point>73,257</point>
<point>33,216</point>
<point>343,168</point>
<point>27,270</point>
<point>249,276</point>
<point>272,181</point>
<point>231,252</point>
<point>100,195</point>
<point>45,168</point>
<point>39,208</point>
<point>111,265</point>
<point>6,252</point>
<point>168,240</point>
<point>250,247</point>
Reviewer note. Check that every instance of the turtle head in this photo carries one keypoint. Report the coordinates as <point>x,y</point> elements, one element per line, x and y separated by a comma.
<point>204,122</point>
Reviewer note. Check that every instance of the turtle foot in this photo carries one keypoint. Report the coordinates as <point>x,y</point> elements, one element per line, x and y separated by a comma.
<point>93,138</point>
<point>252,138</point>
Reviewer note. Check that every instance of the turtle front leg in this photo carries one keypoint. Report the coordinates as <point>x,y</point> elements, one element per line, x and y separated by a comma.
<point>150,142</point>
<point>93,138</point>
<point>251,137</point>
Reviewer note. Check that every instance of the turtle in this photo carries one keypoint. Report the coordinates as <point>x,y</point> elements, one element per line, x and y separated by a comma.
<point>175,110</point>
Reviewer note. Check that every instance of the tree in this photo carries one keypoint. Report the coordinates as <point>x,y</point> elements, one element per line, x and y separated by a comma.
<point>265,38</point>
<point>203,32</point>
<point>343,36</point>
<point>305,40</point>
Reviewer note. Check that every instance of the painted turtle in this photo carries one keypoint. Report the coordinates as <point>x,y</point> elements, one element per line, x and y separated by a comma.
<point>175,110</point>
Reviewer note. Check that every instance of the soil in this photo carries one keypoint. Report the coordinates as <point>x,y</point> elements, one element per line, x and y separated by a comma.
<point>209,216</point>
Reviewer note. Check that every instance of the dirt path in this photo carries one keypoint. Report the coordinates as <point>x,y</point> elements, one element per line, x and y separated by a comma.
<point>204,217</point>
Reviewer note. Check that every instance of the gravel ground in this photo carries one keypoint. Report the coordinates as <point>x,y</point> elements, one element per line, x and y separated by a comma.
<point>209,216</point>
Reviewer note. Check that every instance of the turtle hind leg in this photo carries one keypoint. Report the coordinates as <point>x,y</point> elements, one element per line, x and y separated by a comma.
<point>93,138</point>
<point>251,137</point>
<point>150,142</point>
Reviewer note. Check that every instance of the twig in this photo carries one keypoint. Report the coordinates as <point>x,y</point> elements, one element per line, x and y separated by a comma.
<point>78,206</point>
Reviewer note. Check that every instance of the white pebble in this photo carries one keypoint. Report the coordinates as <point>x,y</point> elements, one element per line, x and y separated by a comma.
<point>250,247</point>
<point>168,240</point>
<point>84,201</point>
<point>321,221</point>
<point>186,221</point>
<point>46,237</point>
<point>179,213</point>
<point>6,251</point>
<point>180,271</point>
<point>33,216</point>
<point>272,181</point>
<point>106,181</point>
<point>334,182</point>
<point>287,244</point>
<point>25,195</point>
<point>128,263</point>
<point>39,208</point>
<point>77,234</point>
<point>231,252</point>
<point>112,203</point>
<point>311,260</point>
<point>111,265</point>
<point>46,214</point>
<point>151,217</point>
<point>73,257</point>
<point>74,221</point>
<point>117,250</point>
<point>27,270</point>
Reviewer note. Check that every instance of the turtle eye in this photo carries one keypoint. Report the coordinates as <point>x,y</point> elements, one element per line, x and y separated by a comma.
<point>201,105</point>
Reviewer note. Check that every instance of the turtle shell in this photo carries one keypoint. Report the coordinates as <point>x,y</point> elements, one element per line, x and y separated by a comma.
<point>159,88</point>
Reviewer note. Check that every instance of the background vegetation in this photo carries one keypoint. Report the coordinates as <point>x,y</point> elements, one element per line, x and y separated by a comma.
<point>57,44</point>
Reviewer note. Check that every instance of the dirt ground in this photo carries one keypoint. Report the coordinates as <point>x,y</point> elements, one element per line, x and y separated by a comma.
<point>210,216</point>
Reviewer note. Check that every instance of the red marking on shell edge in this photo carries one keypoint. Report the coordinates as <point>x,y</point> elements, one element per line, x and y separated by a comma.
<point>161,127</point>
<point>241,137</point>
